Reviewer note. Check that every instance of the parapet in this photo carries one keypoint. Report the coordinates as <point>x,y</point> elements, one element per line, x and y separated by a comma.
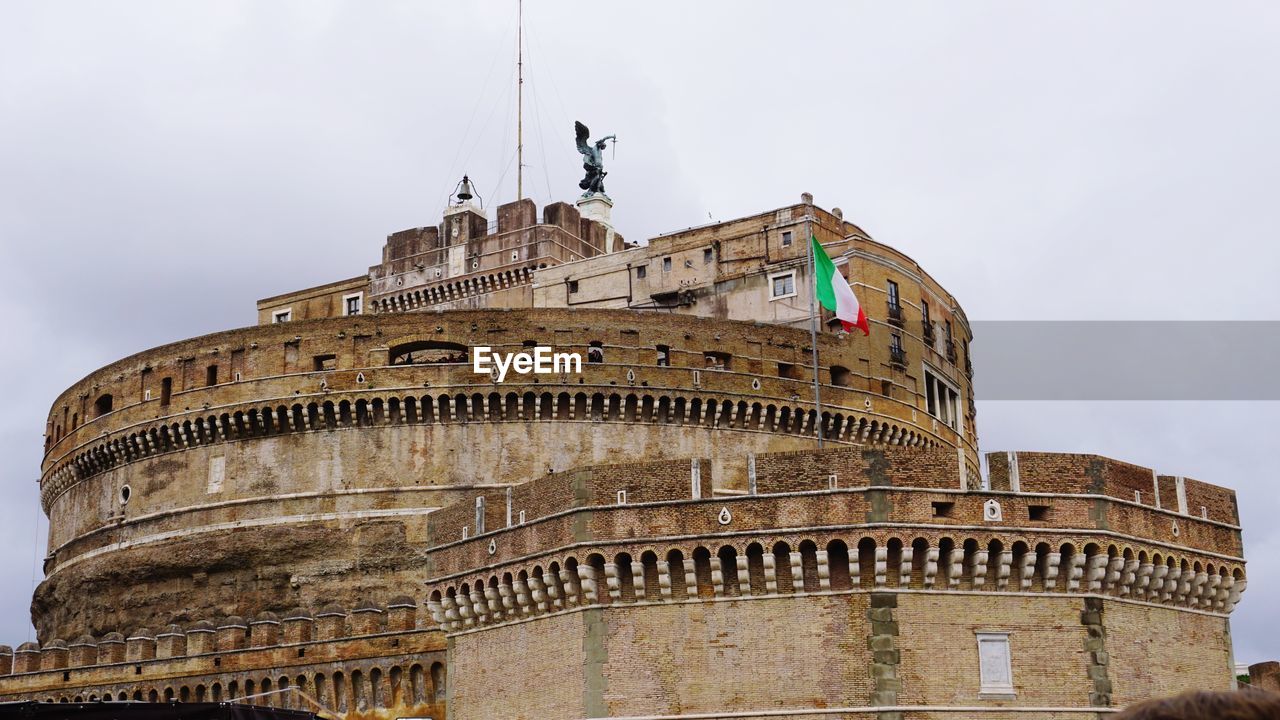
<point>203,637</point>
<point>1077,474</point>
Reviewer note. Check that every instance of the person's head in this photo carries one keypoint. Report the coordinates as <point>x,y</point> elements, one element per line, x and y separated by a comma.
<point>1246,704</point>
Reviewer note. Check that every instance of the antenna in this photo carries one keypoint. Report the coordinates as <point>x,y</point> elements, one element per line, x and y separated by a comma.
<point>519,100</point>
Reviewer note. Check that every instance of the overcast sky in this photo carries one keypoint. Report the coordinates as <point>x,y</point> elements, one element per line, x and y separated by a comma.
<point>163,165</point>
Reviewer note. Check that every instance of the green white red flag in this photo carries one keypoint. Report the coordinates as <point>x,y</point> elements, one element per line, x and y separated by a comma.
<point>834,292</point>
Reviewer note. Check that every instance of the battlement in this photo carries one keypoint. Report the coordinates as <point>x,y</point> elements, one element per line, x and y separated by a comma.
<point>885,503</point>
<point>368,657</point>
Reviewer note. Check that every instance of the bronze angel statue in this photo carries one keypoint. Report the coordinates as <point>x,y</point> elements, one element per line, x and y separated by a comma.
<point>592,160</point>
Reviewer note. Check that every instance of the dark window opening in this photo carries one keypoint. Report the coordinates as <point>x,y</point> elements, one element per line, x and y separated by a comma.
<point>895,307</point>
<point>573,286</point>
<point>897,355</point>
<point>595,353</point>
<point>666,264</point>
<point>102,405</point>
<point>786,238</point>
<point>787,370</point>
<point>664,355</point>
<point>707,256</point>
<point>641,272</point>
<point>211,376</point>
<point>427,352</point>
<point>1038,512</point>
<point>944,509</point>
<point>715,360</point>
<point>886,388</point>
<point>166,390</point>
<point>839,375</point>
<point>353,305</point>
<point>326,362</point>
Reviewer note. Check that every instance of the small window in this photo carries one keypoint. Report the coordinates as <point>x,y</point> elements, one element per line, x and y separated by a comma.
<point>944,509</point>
<point>707,256</point>
<point>666,264</point>
<point>715,360</point>
<point>787,370</point>
<point>281,316</point>
<point>886,388</point>
<point>595,353</point>
<point>573,286</point>
<point>839,375</point>
<point>102,405</point>
<point>211,376</point>
<point>166,390</point>
<point>924,311</point>
<point>664,355</point>
<point>783,285</point>
<point>326,362</point>
<point>641,272</point>
<point>352,304</point>
<point>125,493</point>
<point>786,238</point>
<point>893,294</point>
<point>1038,512</point>
<point>995,664</point>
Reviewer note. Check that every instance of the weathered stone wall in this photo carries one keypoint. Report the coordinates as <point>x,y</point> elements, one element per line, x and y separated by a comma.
<point>214,450</point>
<point>677,599</point>
<point>1154,651</point>
<point>370,662</point>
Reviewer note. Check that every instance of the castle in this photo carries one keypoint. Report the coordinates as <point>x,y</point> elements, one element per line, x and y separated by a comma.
<point>333,511</point>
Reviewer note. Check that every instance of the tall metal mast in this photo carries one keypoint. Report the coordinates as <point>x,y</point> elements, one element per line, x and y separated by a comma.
<point>519,99</point>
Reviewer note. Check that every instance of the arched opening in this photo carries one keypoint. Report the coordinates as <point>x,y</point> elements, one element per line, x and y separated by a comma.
<point>728,556</point>
<point>838,564</point>
<point>427,352</point>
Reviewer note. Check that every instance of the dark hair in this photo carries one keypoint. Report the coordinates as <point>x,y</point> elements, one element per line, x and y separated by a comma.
<point>1246,704</point>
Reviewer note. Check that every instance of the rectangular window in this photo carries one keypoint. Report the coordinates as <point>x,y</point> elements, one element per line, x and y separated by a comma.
<point>664,356</point>
<point>783,285</point>
<point>641,272</point>
<point>786,238</point>
<point>787,370</point>
<point>944,509</point>
<point>211,376</point>
<point>666,264</point>
<point>893,294</point>
<point>281,316</point>
<point>924,311</point>
<point>897,355</point>
<point>166,390</point>
<point>352,304</point>
<point>325,362</point>
<point>995,665</point>
<point>573,286</point>
<point>707,256</point>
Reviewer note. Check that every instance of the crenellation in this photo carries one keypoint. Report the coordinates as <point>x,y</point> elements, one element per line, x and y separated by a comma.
<point>26,658</point>
<point>264,630</point>
<point>141,645</point>
<point>171,642</point>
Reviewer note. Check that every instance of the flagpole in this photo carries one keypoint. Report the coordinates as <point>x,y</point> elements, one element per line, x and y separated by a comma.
<point>813,314</point>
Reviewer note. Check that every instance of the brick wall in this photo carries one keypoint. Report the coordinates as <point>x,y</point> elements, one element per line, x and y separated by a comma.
<point>527,671</point>
<point>1158,651</point>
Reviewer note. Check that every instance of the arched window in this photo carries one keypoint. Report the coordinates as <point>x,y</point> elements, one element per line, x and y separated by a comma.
<point>426,352</point>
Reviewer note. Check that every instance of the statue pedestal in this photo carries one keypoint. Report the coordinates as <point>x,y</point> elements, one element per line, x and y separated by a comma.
<point>598,207</point>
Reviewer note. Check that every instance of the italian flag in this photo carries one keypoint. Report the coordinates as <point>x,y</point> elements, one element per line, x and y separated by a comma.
<point>835,294</point>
